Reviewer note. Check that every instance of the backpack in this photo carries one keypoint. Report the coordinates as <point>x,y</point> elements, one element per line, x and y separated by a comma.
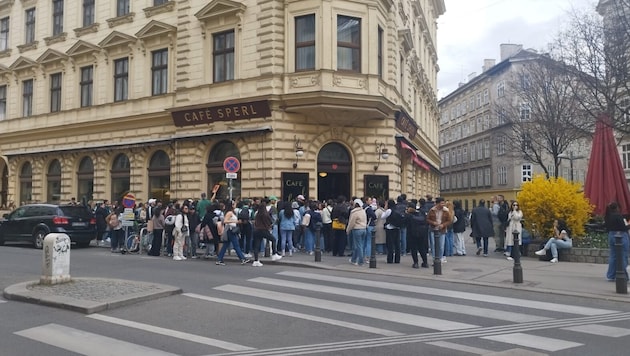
<point>170,220</point>
<point>243,215</point>
<point>503,212</point>
<point>316,220</point>
<point>397,219</point>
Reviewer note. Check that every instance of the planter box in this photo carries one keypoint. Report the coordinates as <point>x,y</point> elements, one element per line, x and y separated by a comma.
<point>575,254</point>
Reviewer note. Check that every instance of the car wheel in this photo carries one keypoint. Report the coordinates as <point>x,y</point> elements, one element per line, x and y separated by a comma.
<point>38,239</point>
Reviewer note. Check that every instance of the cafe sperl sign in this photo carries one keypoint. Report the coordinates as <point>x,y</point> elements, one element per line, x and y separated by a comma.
<point>231,112</point>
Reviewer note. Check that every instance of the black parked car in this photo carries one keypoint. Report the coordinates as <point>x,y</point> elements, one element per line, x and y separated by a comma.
<point>33,222</point>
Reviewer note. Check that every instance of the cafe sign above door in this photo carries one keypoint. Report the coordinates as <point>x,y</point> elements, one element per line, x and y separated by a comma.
<point>231,112</point>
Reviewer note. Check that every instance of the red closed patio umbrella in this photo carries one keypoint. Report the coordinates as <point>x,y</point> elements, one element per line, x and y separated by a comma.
<point>605,179</point>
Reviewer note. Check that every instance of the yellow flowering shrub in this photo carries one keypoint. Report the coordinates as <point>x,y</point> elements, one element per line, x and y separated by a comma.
<point>545,199</point>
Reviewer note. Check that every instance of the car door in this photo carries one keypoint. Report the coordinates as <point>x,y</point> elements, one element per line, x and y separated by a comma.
<point>10,229</point>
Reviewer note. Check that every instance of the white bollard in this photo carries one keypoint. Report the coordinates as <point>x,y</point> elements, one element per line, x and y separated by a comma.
<point>56,259</point>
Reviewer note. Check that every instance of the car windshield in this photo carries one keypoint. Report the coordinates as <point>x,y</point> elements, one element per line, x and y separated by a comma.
<point>76,211</point>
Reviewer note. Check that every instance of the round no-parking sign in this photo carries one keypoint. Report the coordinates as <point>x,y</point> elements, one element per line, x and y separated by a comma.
<point>231,165</point>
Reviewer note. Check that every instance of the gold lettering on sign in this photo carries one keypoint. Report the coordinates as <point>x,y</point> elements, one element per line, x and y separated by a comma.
<point>250,110</point>
<point>294,183</point>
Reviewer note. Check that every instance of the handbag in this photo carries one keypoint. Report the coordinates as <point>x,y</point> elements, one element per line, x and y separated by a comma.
<point>338,225</point>
<point>224,235</point>
<point>184,228</point>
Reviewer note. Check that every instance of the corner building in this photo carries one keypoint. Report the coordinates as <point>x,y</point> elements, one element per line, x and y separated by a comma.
<point>316,97</point>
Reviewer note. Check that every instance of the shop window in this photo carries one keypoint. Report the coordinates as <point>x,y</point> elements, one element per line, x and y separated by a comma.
<point>53,182</point>
<point>216,173</point>
<point>85,180</point>
<point>120,175</point>
<point>160,176</point>
<point>26,183</point>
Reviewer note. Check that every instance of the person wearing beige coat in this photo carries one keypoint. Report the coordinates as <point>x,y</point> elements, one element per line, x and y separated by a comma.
<point>357,226</point>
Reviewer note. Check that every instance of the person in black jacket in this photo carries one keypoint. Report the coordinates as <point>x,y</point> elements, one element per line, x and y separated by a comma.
<point>101,225</point>
<point>481,225</point>
<point>341,212</point>
<point>616,224</point>
<point>458,228</point>
<point>417,235</point>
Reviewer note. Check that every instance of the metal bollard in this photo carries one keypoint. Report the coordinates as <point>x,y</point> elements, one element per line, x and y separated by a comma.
<point>620,275</point>
<point>373,252</point>
<point>318,248</point>
<point>517,270</point>
<point>437,259</point>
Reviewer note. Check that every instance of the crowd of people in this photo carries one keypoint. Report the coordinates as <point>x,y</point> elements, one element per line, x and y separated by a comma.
<point>346,228</point>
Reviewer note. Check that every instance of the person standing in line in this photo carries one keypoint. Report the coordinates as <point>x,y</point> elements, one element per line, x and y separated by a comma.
<point>158,231</point>
<point>202,206</point>
<point>192,242</point>
<point>481,225</point>
<point>170,210</point>
<point>327,225</point>
<point>370,208</point>
<point>401,206</point>
<point>417,235</point>
<point>616,225</point>
<point>357,226</point>
<point>230,224</point>
<point>117,233</point>
<point>210,230</point>
<point>262,230</point>
<point>289,218</point>
<point>392,234</point>
<point>439,219</point>
<point>426,207</point>
<point>340,212</point>
<point>515,217</point>
<point>180,232</point>
<point>458,228</point>
<point>449,237</point>
<point>379,227</point>
<point>101,225</point>
<point>502,217</point>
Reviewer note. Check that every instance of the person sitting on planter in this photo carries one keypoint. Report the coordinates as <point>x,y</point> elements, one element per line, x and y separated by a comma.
<point>561,239</point>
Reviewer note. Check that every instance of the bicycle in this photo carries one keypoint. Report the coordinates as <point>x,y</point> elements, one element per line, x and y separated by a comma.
<point>137,241</point>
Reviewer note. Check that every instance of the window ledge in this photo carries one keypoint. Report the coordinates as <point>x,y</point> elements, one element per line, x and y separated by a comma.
<point>28,47</point>
<point>55,39</point>
<point>5,53</point>
<point>159,9</point>
<point>115,21</point>
<point>87,29</point>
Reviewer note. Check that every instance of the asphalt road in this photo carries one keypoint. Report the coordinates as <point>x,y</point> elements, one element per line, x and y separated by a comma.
<point>283,310</point>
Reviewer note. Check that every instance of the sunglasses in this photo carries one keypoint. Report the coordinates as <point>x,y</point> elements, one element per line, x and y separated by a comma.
<point>514,204</point>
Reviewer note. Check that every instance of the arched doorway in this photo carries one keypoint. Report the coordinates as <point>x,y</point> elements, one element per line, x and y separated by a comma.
<point>85,180</point>
<point>160,176</point>
<point>120,174</point>
<point>26,184</point>
<point>53,182</point>
<point>334,169</point>
<point>216,173</point>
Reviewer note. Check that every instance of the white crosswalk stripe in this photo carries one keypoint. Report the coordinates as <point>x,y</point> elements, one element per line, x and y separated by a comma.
<point>416,302</point>
<point>601,330</point>
<point>523,303</point>
<point>86,343</point>
<point>374,313</point>
<point>534,341</point>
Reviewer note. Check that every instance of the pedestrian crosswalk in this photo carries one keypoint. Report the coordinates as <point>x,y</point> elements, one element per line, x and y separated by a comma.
<point>388,313</point>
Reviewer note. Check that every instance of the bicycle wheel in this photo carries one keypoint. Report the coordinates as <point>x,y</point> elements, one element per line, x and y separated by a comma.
<point>132,244</point>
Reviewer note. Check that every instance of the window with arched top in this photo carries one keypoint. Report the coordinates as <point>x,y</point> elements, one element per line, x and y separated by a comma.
<point>216,173</point>
<point>120,174</point>
<point>334,165</point>
<point>85,180</point>
<point>53,182</point>
<point>26,183</point>
<point>160,176</point>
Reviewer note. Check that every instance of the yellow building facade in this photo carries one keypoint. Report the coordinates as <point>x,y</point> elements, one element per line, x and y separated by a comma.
<point>160,99</point>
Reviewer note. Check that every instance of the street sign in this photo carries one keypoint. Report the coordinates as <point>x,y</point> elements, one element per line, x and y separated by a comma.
<point>128,217</point>
<point>231,175</point>
<point>231,165</point>
<point>129,201</point>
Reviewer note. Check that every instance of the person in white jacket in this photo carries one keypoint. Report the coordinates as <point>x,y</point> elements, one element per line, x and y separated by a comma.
<point>181,230</point>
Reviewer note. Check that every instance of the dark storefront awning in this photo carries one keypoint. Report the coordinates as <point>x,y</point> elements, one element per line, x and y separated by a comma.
<point>139,142</point>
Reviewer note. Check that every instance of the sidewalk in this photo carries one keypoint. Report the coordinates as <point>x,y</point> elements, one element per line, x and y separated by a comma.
<point>89,295</point>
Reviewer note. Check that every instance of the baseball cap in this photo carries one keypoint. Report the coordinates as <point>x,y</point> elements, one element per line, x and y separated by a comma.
<point>359,202</point>
<point>300,197</point>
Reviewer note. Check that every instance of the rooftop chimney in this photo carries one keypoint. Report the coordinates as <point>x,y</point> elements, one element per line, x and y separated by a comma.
<point>509,49</point>
<point>487,64</point>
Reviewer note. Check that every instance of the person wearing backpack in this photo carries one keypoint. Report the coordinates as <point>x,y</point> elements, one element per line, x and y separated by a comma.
<point>309,220</point>
<point>244,219</point>
<point>370,212</point>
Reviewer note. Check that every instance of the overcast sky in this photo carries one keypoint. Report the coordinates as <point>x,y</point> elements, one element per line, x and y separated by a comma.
<point>472,30</point>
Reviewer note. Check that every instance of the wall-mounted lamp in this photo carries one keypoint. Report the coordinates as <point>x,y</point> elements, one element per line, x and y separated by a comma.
<point>381,152</point>
<point>299,151</point>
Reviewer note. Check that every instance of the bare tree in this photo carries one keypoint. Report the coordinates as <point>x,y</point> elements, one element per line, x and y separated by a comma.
<point>540,112</point>
<point>596,51</point>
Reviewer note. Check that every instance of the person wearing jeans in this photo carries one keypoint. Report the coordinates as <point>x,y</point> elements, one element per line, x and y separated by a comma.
<point>439,219</point>
<point>230,221</point>
<point>357,226</point>
<point>616,226</point>
<point>559,240</point>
